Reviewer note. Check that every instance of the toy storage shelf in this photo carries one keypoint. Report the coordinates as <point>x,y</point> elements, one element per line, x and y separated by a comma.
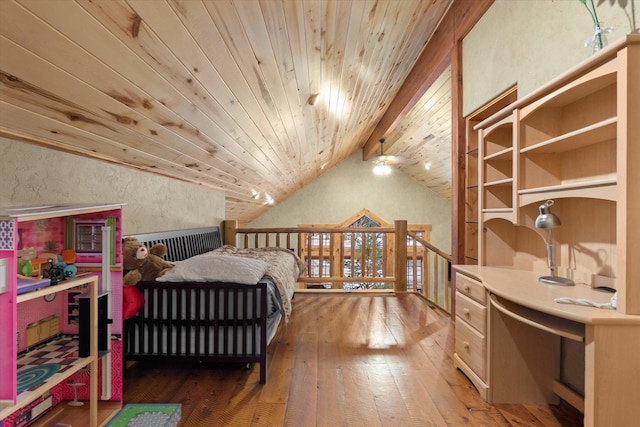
<point>19,312</point>
<point>24,398</point>
<point>62,286</point>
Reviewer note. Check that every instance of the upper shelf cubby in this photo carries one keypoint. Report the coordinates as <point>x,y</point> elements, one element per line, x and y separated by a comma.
<point>568,140</point>
<point>578,115</point>
<point>498,139</point>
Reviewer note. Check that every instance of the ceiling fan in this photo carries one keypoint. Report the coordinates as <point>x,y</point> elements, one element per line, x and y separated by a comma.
<point>382,162</point>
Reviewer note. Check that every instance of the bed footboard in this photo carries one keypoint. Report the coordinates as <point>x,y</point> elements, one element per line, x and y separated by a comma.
<point>209,322</point>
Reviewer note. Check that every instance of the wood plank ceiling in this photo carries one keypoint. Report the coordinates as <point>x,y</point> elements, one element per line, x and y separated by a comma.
<point>216,92</point>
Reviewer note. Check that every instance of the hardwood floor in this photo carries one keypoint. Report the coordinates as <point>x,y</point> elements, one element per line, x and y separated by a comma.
<point>342,360</point>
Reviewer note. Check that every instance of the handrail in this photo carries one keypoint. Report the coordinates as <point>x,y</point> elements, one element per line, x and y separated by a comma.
<point>429,246</point>
<point>396,258</point>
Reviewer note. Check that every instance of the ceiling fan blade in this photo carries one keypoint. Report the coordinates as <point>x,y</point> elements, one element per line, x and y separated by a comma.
<point>394,160</point>
<point>389,158</point>
<point>385,158</point>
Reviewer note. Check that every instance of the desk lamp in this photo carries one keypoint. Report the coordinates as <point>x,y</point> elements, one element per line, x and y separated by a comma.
<point>546,219</point>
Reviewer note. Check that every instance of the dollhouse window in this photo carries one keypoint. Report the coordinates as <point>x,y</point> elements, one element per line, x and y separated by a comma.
<point>88,237</point>
<point>85,237</point>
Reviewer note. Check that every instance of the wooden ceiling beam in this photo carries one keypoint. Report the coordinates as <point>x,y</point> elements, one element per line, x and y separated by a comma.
<point>434,59</point>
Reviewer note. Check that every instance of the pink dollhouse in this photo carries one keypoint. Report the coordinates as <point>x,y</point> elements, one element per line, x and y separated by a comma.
<point>60,323</point>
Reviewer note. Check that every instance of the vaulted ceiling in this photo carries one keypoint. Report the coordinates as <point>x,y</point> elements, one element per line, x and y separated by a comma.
<point>216,92</point>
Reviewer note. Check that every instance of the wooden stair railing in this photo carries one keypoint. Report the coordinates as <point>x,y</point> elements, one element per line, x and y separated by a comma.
<point>401,260</point>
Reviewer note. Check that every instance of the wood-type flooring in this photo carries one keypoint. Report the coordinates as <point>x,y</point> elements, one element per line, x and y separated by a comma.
<point>342,360</point>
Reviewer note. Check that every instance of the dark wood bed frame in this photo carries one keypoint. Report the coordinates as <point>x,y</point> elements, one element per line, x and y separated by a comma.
<point>250,348</point>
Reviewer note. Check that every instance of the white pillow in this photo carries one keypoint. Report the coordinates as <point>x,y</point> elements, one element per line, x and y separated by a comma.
<point>217,268</point>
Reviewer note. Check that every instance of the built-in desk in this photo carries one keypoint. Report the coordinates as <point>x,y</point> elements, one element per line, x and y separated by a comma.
<point>525,328</point>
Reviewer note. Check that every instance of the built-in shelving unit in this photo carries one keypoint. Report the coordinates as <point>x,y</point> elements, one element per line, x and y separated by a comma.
<point>497,170</point>
<point>563,142</point>
<point>573,141</point>
<point>471,202</point>
<point>472,173</point>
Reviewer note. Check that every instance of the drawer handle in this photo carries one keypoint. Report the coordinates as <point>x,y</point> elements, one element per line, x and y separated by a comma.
<point>467,289</point>
<point>465,311</point>
<point>465,344</point>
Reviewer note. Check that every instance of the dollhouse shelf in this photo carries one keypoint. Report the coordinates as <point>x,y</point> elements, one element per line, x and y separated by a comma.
<point>24,398</point>
<point>78,363</point>
<point>63,286</point>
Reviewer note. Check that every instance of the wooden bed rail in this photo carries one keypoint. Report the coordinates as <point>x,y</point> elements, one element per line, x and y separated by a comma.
<point>398,258</point>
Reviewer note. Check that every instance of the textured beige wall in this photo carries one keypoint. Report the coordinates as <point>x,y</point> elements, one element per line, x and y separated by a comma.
<point>33,175</point>
<point>351,187</point>
<point>530,42</point>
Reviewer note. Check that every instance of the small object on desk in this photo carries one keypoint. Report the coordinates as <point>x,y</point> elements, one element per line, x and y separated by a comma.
<point>547,219</point>
<point>614,300</point>
<point>588,302</point>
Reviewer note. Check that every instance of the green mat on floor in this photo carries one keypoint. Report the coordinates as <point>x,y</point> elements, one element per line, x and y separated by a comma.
<point>147,415</point>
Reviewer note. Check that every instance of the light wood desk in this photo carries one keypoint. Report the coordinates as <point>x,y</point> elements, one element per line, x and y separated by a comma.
<point>525,326</point>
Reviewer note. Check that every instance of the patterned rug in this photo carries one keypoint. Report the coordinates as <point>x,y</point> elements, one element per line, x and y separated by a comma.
<point>36,375</point>
<point>148,415</point>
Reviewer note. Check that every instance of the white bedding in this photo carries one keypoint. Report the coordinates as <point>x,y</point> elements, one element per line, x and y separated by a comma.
<point>246,266</point>
<point>210,268</point>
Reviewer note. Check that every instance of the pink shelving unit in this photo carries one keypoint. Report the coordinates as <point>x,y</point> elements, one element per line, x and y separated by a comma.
<point>38,319</point>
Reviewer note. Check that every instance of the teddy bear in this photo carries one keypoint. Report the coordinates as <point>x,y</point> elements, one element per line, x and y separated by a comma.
<point>142,264</point>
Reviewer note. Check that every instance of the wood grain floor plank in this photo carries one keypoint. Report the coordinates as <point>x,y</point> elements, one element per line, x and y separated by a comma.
<point>331,392</point>
<point>555,416</point>
<point>360,402</point>
<point>518,415</point>
<point>269,414</point>
<point>342,360</point>
<point>422,410</point>
<point>302,403</point>
<point>391,407</point>
<point>280,366</point>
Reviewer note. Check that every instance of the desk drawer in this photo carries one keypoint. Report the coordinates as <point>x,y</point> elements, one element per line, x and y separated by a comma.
<point>471,347</point>
<point>471,288</point>
<point>472,312</point>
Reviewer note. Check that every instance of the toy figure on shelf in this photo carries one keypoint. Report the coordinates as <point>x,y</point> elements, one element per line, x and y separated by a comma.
<point>62,267</point>
<point>34,273</point>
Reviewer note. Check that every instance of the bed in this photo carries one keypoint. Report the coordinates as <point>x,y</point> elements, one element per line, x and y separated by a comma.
<point>218,304</point>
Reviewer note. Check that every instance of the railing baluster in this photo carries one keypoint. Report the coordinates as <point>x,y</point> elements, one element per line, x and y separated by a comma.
<point>414,264</point>
<point>371,254</point>
<point>320,254</point>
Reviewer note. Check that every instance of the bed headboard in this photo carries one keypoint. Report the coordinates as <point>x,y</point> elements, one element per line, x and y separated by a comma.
<point>183,244</point>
